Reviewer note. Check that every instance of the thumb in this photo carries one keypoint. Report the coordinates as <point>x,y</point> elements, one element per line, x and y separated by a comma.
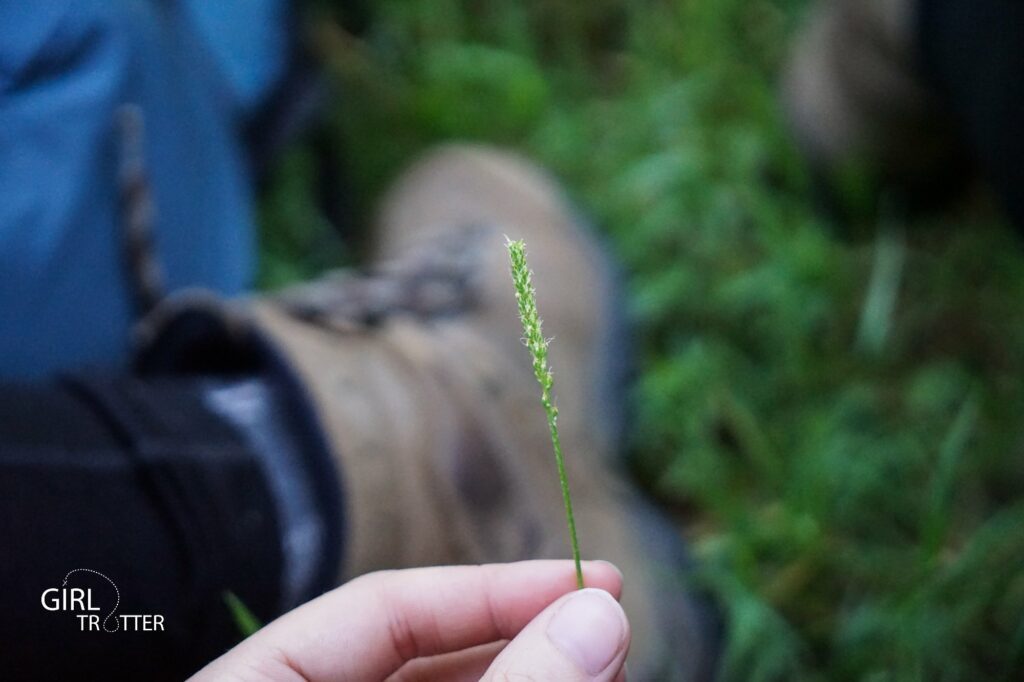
<point>583,636</point>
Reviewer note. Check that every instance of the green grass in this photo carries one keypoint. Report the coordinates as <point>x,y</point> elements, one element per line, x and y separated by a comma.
<point>533,336</point>
<point>839,423</point>
<point>244,619</point>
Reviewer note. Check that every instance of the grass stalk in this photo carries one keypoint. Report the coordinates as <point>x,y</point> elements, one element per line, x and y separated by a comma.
<point>526,298</point>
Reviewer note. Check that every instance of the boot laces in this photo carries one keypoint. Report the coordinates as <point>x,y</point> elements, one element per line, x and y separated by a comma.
<point>437,279</point>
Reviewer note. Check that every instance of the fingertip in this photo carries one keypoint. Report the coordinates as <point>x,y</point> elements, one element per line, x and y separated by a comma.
<point>583,635</point>
<point>603,575</point>
<point>590,628</point>
<point>612,567</point>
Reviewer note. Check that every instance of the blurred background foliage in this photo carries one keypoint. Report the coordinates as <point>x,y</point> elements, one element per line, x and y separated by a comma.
<point>836,422</point>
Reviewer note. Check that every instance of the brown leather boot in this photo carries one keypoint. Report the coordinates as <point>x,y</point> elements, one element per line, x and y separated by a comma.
<point>856,98</point>
<point>427,394</point>
<point>428,401</point>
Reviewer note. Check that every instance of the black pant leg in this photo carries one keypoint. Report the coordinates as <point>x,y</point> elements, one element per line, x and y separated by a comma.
<point>136,482</point>
<point>973,54</point>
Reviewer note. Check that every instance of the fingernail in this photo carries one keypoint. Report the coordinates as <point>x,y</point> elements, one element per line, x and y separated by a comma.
<point>589,628</point>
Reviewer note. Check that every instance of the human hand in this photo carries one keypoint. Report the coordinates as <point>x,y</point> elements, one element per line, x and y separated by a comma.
<point>450,623</point>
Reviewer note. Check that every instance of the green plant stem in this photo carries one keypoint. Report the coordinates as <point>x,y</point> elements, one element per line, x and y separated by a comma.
<point>245,620</point>
<point>526,298</point>
<point>564,480</point>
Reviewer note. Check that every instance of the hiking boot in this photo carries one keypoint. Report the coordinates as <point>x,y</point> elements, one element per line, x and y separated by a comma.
<point>857,101</point>
<point>427,398</point>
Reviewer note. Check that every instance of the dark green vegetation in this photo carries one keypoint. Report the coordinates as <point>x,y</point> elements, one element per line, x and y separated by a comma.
<point>245,620</point>
<point>839,423</point>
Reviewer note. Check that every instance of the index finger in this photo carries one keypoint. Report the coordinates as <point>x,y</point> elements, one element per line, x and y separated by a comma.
<point>371,626</point>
